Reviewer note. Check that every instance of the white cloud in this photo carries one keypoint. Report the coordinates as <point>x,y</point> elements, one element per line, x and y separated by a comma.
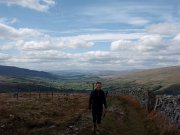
<point>164,28</point>
<point>138,21</point>
<point>33,49</point>
<point>145,43</point>
<point>107,36</point>
<point>61,60</point>
<point>6,47</point>
<point>8,32</point>
<point>177,37</point>
<point>148,51</point>
<point>4,57</point>
<point>121,44</point>
<point>52,43</point>
<point>38,5</point>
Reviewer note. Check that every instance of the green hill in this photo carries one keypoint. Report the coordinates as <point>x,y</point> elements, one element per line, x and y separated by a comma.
<point>162,80</point>
<point>21,72</point>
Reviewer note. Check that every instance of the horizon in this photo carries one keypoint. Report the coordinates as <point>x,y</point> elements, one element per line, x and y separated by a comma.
<point>91,70</point>
<point>89,35</point>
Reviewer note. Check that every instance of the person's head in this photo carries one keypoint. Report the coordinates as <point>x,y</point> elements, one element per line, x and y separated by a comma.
<point>98,85</point>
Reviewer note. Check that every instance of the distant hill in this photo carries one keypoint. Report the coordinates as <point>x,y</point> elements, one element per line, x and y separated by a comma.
<point>14,78</point>
<point>90,74</point>
<point>166,74</point>
<point>162,80</point>
<point>21,72</point>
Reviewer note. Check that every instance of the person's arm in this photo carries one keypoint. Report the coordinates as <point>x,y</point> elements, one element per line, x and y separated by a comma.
<point>90,100</point>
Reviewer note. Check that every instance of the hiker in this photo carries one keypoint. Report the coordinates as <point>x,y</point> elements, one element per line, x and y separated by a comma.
<point>96,101</point>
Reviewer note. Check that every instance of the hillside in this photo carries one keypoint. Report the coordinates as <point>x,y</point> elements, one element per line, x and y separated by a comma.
<point>163,80</point>
<point>21,72</point>
<point>62,116</point>
<point>14,78</point>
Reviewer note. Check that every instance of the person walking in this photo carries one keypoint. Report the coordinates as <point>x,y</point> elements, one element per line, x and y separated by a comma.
<point>97,103</point>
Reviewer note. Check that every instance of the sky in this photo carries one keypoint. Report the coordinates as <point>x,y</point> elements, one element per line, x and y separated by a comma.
<point>53,35</point>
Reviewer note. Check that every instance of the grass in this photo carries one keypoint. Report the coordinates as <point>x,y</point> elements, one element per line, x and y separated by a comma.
<point>47,116</point>
<point>39,116</point>
<point>125,117</point>
<point>162,124</point>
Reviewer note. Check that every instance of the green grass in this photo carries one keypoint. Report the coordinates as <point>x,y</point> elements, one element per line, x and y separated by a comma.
<point>161,80</point>
<point>132,122</point>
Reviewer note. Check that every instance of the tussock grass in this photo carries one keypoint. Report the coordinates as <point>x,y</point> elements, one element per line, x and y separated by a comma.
<point>162,124</point>
<point>35,116</point>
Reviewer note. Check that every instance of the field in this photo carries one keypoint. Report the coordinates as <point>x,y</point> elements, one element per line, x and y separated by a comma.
<point>44,115</point>
<point>68,114</point>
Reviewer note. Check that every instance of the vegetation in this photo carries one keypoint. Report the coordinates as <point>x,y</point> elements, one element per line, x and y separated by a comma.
<point>161,81</point>
<point>37,116</point>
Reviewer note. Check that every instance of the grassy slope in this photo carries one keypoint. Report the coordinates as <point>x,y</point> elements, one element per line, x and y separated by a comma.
<point>62,115</point>
<point>166,75</point>
<point>42,116</point>
<point>161,79</point>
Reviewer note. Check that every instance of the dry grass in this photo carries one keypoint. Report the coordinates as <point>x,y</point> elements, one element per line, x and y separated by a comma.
<point>163,125</point>
<point>45,115</point>
<point>131,100</point>
<point>51,116</point>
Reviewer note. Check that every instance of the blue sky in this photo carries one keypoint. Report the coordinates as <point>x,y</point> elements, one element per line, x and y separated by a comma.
<point>83,34</point>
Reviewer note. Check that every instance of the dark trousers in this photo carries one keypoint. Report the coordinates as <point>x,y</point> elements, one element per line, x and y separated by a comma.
<point>97,114</point>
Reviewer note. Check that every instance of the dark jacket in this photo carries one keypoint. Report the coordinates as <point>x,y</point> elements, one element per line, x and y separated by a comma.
<point>97,99</point>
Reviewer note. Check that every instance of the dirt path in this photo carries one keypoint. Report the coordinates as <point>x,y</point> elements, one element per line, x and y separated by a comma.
<point>121,118</point>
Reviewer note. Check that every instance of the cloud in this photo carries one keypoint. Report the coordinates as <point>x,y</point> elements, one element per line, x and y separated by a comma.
<point>36,50</point>
<point>47,42</point>
<point>145,52</point>
<point>121,44</point>
<point>107,36</point>
<point>8,21</point>
<point>52,44</point>
<point>6,47</point>
<point>31,39</point>
<point>177,37</point>
<point>4,57</point>
<point>8,32</point>
<point>38,5</point>
<point>113,15</point>
<point>61,60</point>
<point>138,21</point>
<point>164,28</point>
<point>148,51</point>
<point>145,43</point>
